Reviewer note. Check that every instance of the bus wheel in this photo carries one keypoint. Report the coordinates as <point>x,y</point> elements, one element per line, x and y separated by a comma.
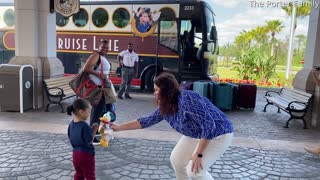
<point>148,80</point>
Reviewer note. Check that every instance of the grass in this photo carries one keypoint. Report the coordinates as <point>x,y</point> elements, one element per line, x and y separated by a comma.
<point>227,72</point>
<point>293,68</point>
<point>278,67</point>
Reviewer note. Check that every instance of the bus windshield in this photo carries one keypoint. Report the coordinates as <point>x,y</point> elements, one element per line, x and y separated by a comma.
<point>209,24</point>
<point>168,34</point>
<point>188,32</point>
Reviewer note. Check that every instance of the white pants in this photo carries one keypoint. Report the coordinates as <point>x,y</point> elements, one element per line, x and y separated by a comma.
<point>181,156</point>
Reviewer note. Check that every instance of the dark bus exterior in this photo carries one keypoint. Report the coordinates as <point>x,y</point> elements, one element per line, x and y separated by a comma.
<point>179,37</point>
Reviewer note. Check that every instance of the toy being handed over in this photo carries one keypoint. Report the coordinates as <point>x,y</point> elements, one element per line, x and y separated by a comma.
<point>104,128</point>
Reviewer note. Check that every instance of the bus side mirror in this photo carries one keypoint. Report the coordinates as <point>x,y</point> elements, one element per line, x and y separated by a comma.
<point>214,38</point>
<point>213,34</point>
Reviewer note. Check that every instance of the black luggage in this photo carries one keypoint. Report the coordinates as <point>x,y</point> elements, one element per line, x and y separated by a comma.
<point>235,95</point>
<point>247,96</point>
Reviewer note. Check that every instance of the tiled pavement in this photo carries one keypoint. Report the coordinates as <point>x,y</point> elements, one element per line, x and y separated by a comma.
<point>48,156</point>
<point>34,145</point>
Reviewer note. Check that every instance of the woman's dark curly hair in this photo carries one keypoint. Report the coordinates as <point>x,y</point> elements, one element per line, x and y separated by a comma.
<point>168,94</point>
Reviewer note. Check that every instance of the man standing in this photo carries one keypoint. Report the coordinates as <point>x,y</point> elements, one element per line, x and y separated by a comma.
<point>128,60</point>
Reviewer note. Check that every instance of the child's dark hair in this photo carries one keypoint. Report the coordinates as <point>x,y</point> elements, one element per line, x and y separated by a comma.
<point>77,105</point>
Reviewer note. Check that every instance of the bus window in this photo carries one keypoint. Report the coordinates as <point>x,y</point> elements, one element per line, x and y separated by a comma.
<point>9,17</point>
<point>100,17</point>
<point>209,24</point>
<point>197,40</point>
<point>61,21</point>
<point>169,15</point>
<point>81,18</point>
<point>121,18</point>
<point>210,20</point>
<point>185,26</point>
<point>168,35</point>
<point>190,38</point>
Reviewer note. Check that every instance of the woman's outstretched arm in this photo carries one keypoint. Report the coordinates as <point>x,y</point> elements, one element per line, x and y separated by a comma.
<point>126,126</point>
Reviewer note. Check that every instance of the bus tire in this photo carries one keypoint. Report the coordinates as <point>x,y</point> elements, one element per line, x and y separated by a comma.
<point>148,79</point>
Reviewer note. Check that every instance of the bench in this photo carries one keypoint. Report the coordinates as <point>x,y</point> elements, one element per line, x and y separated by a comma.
<point>296,103</point>
<point>57,90</point>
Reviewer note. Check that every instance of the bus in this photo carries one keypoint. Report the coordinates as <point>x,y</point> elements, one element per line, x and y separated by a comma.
<point>178,36</point>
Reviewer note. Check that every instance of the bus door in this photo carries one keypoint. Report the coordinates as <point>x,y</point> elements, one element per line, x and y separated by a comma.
<point>193,38</point>
<point>168,41</point>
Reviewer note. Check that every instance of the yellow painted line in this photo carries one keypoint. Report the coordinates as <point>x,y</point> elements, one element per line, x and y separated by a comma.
<point>164,56</point>
<point>97,32</point>
<point>90,33</point>
<point>6,29</point>
<point>115,53</point>
<point>72,51</point>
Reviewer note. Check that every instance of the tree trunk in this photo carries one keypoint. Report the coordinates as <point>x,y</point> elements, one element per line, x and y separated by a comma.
<point>272,42</point>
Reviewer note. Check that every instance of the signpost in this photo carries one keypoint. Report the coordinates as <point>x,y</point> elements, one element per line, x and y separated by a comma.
<point>290,50</point>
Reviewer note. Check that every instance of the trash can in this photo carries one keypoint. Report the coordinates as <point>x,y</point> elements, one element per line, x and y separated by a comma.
<point>16,87</point>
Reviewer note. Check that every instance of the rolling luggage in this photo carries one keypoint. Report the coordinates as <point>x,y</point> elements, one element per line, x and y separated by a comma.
<point>247,96</point>
<point>235,88</point>
<point>211,86</point>
<point>223,95</point>
<point>201,87</point>
<point>186,85</point>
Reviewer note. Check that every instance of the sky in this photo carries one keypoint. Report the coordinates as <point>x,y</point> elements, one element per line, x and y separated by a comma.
<point>234,16</point>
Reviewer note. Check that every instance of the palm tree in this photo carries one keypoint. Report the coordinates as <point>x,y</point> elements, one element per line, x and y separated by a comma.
<point>240,40</point>
<point>274,26</point>
<point>250,36</point>
<point>243,39</point>
<point>301,11</point>
<point>259,35</point>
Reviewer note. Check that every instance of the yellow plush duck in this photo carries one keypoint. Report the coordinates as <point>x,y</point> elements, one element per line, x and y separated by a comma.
<point>105,130</point>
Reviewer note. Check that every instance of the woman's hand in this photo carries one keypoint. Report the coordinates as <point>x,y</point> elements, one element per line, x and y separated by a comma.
<point>196,163</point>
<point>134,124</point>
<point>115,127</point>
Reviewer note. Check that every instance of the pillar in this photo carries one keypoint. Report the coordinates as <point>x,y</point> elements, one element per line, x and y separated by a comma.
<point>303,79</point>
<point>35,42</point>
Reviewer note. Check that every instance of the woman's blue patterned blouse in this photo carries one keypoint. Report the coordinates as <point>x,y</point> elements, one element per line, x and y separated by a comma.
<point>196,117</point>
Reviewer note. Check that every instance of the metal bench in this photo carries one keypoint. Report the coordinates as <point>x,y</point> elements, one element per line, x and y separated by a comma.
<point>294,102</point>
<point>57,90</point>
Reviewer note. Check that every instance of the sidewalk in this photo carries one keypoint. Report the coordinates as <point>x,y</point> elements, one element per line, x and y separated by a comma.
<point>34,145</point>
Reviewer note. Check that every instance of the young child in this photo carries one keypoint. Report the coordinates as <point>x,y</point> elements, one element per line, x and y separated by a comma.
<point>81,136</point>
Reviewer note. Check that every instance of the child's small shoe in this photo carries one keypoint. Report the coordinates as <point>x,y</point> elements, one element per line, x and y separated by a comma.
<point>96,142</point>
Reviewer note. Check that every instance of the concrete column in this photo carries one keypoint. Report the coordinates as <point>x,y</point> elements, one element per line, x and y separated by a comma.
<point>52,66</point>
<point>303,79</point>
<point>35,42</point>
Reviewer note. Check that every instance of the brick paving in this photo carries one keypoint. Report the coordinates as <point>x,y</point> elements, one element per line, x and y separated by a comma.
<point>29,155</point>
<point>34,155</point>
<point>256,124</point>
